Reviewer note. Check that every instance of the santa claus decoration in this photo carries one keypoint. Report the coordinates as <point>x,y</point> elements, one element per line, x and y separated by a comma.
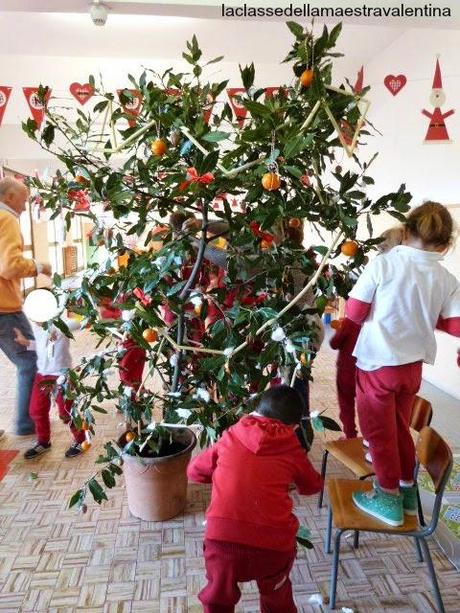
<point>437,130</point>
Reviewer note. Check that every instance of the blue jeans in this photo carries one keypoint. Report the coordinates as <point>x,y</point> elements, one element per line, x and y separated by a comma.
<point>26,363</point>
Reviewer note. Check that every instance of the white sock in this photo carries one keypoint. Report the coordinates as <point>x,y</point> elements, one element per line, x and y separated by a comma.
<point>406,483</point>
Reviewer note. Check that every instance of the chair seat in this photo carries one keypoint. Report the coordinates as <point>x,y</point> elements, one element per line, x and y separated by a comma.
<point>350,452</point>
<point>348,517</point>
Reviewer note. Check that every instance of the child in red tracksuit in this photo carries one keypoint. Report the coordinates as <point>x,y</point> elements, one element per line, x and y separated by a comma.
<point>344,340</point>
<point>250,528</point>
<point>400,298</point>
<point>53,356</point>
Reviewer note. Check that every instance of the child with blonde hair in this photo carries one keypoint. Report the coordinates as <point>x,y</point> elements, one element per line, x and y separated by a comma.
<point>399,300</point>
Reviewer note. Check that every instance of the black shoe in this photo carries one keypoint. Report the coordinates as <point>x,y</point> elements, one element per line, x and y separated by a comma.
<point>36,451</point>
<point>73,451</point>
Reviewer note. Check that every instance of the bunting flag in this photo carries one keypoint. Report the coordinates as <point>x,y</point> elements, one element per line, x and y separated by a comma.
<point>81,92</point>
<point>359,85</point>
<point>132,108</point>
<point>4,97</point>
<point>37,108</point>
<point>239,110</point>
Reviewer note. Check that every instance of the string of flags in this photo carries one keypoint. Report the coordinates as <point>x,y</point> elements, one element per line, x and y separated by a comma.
<point>131,100</point>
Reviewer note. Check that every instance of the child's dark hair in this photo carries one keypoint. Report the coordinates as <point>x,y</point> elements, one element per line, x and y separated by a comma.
<point>432,224</point>
<point>283,403</point>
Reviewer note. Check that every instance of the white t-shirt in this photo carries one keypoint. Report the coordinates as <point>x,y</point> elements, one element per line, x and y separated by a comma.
<point>52,348</point>
<point>409,290</point>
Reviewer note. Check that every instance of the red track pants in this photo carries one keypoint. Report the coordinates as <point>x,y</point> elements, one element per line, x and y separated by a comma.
<point>346,392</point>
<point>385,398</point>
<point>40,405</point>
<point>228,564</point>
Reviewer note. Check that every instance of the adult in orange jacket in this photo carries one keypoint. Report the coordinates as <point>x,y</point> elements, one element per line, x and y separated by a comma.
<point>14,267</point>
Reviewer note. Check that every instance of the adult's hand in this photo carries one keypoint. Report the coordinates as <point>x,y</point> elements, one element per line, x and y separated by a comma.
<point>45,269</point>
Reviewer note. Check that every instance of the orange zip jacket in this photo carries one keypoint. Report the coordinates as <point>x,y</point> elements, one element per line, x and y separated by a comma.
<point>13,265</point>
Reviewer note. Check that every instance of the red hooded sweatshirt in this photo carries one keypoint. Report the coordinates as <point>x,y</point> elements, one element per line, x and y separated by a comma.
<point>251,468</point>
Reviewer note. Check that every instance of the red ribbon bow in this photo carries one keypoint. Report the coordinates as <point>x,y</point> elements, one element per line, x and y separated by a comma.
<point>194,177</point>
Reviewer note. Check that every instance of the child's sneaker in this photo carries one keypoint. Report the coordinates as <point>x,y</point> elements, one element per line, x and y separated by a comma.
<point>385,507</point>
<point>37,450</point>
<point>409,499</point>
<point>73,451</point>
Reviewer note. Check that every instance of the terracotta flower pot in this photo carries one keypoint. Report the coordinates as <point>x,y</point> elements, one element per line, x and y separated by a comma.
<point>157,487</point>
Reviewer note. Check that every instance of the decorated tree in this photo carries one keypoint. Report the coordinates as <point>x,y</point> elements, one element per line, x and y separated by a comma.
<point>223,296</point>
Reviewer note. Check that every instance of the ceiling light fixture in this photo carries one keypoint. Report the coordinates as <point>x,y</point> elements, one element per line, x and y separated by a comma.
<point>99,12</point>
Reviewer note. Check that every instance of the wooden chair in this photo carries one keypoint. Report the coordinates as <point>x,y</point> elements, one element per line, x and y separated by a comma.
<point>350,452</point>
<point>434,455</point>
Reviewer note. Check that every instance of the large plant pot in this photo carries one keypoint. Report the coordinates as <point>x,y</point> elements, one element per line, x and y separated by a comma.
<point>157,487</point>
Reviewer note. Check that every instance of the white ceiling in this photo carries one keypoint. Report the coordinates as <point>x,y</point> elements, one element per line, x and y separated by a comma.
<point>129,36</point>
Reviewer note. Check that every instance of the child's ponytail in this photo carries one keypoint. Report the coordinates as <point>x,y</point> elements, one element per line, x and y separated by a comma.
<point>432,224</point>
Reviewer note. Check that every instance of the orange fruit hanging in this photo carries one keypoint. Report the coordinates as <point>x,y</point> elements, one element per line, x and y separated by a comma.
<point>306,78</point>
<point>264,245</point>
<point>85,445</point>
<point>85,426</point>
<point>150,335</point>
<point>295,222</point>
<point>271,181</point>
<point>130,436</point>
<point>303,359</point>
<point>81,179</point>
<point>158,147</point>
<point>336,324</point>
<point>349,248</point>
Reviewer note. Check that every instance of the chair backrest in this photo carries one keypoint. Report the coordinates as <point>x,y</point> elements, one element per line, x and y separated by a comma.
<point>421,415</point>
<point>435,456</point>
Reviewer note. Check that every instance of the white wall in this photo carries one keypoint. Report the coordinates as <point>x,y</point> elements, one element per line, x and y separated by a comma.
<point>429,171</point>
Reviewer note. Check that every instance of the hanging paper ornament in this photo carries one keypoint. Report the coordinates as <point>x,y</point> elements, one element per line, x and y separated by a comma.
<point>82,92</point>
<point>359,85</point>
<point>437,130</point>
<point>185,149</point>
<point>36,106</point>
<point>4,97</point>
<point>240,110</point>
<point>131,107</point>
<point>394,84</point>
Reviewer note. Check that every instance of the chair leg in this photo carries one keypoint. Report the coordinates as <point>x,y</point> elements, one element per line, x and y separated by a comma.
<point>434,580</point>
<point>335,568</point>
<point>323,475</point>
<point>356,540</point>
<point>327,543</point>
<point>421,517</point>
<point>419,550</point>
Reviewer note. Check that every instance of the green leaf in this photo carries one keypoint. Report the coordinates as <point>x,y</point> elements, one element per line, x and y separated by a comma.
<point>96,490</point>
<point>215,137</point>
<point>209,162</point>
<point>329,423</point>
<point>317,424</point>
<point>76,498</point>
<point>48,134</point>
<point>296,29</point>
<point>256,108</point>
<point>108,478</point>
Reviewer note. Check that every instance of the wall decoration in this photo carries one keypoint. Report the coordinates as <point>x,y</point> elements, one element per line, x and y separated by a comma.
<point>208,108</point>
<point>394,84</point>
<point>82,92</point>
<point>437,130</point>
<point>239,110</point>
<point>36,106</point>
<point>4,97</point>
<point>132,108</point>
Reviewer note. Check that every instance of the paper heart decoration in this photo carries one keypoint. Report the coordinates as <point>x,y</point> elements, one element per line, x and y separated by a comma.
<point>394,84</point>
<point>82,92</point>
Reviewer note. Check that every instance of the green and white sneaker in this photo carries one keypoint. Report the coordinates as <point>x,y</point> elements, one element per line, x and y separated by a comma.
<point>409,499</point>
<point>382,506</point>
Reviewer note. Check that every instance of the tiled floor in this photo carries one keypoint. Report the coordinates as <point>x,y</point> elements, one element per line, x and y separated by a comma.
<point>52,559</point>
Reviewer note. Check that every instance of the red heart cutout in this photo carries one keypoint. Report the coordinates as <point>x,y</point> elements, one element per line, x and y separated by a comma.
<point>82,93</point>
<point>395,84</point>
